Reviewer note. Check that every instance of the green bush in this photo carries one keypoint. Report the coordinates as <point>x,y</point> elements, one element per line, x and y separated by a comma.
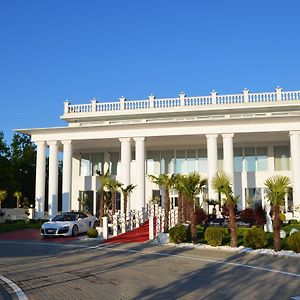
<point>92,233</point>
<point>293,242</point>
<point>240,232</point>
<point>178,234</point>
<point>255,238</point>
<point>200,233</point>
<point>294,222</point>
<point>215,235</point>
<point>288,228</point>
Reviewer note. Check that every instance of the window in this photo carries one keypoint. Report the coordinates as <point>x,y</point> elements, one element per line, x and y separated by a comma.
<point>167,162</point>
<point>97,160</point>
<point>85,165</point>
<point>282,158</point>
<point>249,160</point>
<point>114,160</point>
<point>238,159</point>
<point>153,162</point>
<point>262,159</point>
<point>202,160</point>
<point>180,162</point>
<point>191,161</point>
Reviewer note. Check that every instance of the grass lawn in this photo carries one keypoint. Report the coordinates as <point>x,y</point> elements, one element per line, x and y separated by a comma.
<point>6,227</point>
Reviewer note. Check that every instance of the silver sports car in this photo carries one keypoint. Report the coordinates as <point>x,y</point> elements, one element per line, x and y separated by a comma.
<point>68,224</point>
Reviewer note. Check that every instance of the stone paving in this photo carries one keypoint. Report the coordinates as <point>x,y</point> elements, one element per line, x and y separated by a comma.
<point>144,271</point>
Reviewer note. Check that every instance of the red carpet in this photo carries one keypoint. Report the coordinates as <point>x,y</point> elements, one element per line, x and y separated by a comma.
<point>138,235</point>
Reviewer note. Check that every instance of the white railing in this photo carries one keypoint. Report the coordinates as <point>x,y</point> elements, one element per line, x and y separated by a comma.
<point>182,101</point>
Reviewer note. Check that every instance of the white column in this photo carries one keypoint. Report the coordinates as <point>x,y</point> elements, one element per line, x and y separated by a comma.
<point>140,173</point>
<point>212,157</point>
<point>228,156</point>
<point>40,180</point>
<point>67,175</point>
<point>53,178</point>
<point>125,165</point>
<point>295,155</point>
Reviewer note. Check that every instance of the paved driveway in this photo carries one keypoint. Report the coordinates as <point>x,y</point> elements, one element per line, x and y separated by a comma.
<point>86,269</point>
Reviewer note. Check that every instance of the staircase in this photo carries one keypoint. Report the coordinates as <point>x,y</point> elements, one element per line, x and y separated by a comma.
<point>137,235</point>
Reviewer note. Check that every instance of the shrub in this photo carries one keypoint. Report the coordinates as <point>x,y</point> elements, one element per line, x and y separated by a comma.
<point>255,238</point>
<point>288,228</point>
<point>92,233</point>
<point>247,215</point>
<point>293,242</point>
<point>201,216</point>
<point>294,222</point>
<point>200,233</point>
<point>178,234</point>
<point>240,231</point>
<point>215,235</point>
<point>260,216</point>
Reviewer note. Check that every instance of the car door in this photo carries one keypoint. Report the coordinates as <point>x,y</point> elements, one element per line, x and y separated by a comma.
<point>81,223</point>
<point>86,221</point>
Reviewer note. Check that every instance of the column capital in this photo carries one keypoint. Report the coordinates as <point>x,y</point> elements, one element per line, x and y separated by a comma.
<point>50,143</point>
<point>42,143</point>
<point>227,135</point>
<point>124,140</point>
<point>139,139</point>
<point>294,132</point>
<point>66,142</point>
<point>211,136</point>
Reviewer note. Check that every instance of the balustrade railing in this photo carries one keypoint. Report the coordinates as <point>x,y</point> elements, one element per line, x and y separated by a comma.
<point>182,101</point>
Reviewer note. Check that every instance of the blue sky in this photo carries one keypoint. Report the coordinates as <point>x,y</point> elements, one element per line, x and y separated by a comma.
<point>56,50</point>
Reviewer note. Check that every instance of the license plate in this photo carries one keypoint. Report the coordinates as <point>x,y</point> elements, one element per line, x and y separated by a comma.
<point>51,231</point>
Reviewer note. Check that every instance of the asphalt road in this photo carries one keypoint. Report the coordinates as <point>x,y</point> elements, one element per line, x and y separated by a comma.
<point>88,270</point>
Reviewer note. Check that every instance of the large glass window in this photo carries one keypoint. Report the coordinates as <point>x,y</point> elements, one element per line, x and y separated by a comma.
<point>202,160</point>
<point>238,159</point>
<point>191,161</point>
<point>97,160</point>
<point>153,162</point>
<point>114,160</point>
<point>262,158</point>
<point>180,166</point>
<point>282,158</point>
<point>167,162</point>
<point>85,165</point>
<point>249,160</point>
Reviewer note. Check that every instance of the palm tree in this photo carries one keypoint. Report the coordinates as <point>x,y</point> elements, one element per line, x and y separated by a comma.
<point>113,186</point>
<point>126,192</point>
<point>221,183</point>
<point>18,196</point>
<point>166,182</point>
<point>103,179</point>
<point>193,186</point>
<point>179,186</point>
<point>277,188</point>
<point>3,195</point>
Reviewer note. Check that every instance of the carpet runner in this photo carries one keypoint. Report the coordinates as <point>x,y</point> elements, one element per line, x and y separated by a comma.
<point>138,235</point>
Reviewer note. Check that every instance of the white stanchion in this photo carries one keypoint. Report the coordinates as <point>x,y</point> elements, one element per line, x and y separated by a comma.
<point>105,228</point>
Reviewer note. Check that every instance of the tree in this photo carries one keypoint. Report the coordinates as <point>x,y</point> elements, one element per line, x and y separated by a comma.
<point>221,183</point>
<point>3,195</point>
<point>113,186</point>
<point>126,191</point>
<point>166,182</point>
<point>18,196</point>
<point>179,186</point>
<point>193,185</point>
<point>277,189</point>
<point>103,180</point>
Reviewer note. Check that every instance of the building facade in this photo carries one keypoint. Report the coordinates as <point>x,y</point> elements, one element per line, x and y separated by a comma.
<point>249,136</point>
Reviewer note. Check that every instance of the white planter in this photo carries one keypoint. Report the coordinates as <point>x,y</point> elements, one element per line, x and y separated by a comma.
<point>163,238</point>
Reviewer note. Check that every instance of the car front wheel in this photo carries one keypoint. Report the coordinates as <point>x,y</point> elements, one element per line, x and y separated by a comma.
<point>75,230</point>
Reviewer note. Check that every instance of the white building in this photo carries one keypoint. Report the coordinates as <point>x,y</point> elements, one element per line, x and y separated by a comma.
<point>250,136</point>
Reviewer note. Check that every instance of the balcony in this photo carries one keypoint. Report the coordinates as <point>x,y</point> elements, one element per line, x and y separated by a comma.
<point>276,102</point>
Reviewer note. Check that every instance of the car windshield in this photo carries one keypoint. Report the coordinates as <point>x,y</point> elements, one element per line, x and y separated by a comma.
<point>65,217</point>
